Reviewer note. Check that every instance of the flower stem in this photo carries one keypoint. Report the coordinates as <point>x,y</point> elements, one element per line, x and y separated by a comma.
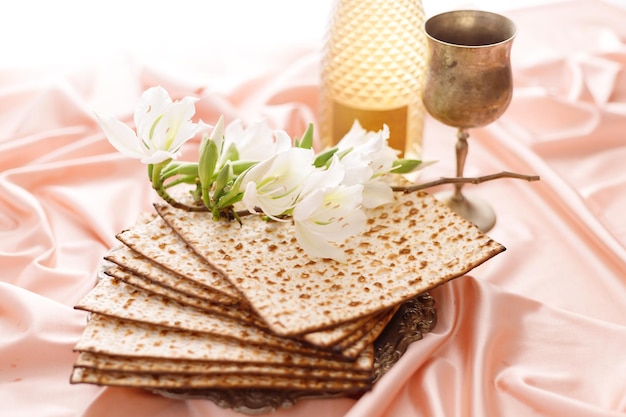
<point>161,189</point>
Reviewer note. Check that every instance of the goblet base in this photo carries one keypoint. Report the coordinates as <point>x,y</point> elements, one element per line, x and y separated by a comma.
<point>471,208</point>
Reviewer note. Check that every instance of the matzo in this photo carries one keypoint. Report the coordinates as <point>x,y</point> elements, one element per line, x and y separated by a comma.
<point>156,365</point>
<point>236,312</point>
<point>140,265</point>
<point>117,337</point>
<point>326,338</point>
<point>186,381</point>
<point>411,246</point>
<point>352,346</point>
<point>157,242</point>
<point>140,272</point>
<point>335,335</point>
<point>115,298</point>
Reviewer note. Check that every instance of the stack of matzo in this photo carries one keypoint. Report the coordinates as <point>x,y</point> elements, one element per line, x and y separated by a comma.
<point>188,303</point>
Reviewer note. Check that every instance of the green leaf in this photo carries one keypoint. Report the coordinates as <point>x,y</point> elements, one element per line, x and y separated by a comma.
<point>207,162</point>
<point>345,152</point>
<point>229,199</point>
<point>230,154</point>
<point>183,179</point>
<point>180,168</point>
<point>224,177</point>
<point>323,158</point>
<point>404,166</point>
<point>188,169</point>
<point>171,166</point>
<point>307,139</point>
<point>240,167</point>
<point>233,195</point>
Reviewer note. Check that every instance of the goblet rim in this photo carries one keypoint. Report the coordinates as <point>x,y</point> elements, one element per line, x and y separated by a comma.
<point>511,24</point>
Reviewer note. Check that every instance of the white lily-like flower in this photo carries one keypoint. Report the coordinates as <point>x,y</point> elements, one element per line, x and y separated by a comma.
<point>369,152</point>
<point>162,127</point>
<point>369,157</point>
<point>257,141</point>
<point>274,184</point>
<point>329,212</point>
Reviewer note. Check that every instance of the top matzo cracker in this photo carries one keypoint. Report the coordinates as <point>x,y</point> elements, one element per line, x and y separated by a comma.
<point>411,246</point>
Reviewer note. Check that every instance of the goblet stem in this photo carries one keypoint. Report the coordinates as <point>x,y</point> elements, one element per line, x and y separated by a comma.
<point>470,208</point>
<point>461,156</point>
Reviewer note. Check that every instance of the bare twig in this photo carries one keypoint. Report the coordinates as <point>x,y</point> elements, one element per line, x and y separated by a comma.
<point>404,189</point>
<point>464,180</point>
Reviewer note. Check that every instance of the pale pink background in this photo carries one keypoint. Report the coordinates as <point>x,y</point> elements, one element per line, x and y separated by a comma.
<point>538,330</point>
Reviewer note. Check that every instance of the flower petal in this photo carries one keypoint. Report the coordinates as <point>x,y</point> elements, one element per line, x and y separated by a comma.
<point>174,127</point>
<point>256,142</point>
<point>376,193</point>
<point>180,126</point>
<point>152,104</point>
<point>330,215</point>
<point>122,137</point>
<point>217,135</point>
<point>325,178</point>
<point>278,181</point>
<point>249,199</point>
<point>353,137</point>
<point>283,141</point>
<point>317,246</point>
<point>159,156</point>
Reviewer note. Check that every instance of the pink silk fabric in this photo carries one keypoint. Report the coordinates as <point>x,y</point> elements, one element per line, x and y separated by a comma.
<point>538,330</point>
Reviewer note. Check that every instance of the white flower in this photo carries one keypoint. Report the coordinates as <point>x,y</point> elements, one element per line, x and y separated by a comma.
<point>327,215</point>
<point>367,149</point>
<point>328,212</point>
<point>257,141</point>
<point>162,127</point>
<point>274,184</point>
<point>369,157</point>
<point>377,192</point>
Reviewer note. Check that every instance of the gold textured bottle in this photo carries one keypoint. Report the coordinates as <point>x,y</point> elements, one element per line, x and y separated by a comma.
<point>373,68</point>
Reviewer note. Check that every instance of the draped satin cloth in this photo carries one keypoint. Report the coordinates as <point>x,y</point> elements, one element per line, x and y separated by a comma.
<point>538,330</point>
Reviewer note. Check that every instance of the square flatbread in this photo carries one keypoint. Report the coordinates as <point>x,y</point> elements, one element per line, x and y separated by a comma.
<point>157,242</point>
<point>179,268</point>
<point>118,337</point>
<point>359,332</point>
<point>410,246</point>
<point>112,297</point>
<point>208,381</point>
<point>157,365</point>
<point>237,312</point>
<point>140,265</point>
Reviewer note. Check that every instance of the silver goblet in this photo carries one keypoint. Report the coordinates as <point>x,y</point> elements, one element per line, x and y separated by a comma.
<point>468,84</point>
